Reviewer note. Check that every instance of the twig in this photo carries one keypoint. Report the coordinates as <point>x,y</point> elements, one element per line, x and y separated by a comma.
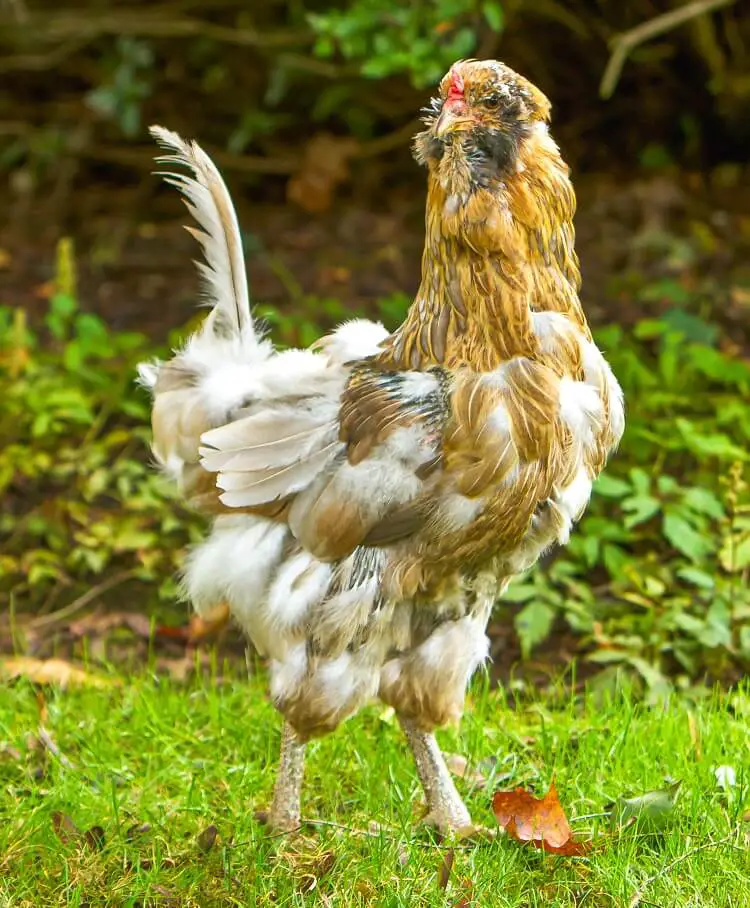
<point>43,62</point>
<point>389,142</point>
<point>82,601</point>
<point>152,25</point>
<point>46,738</point>
<point>625,42</point>
<point>225,160</point>
<point>638,896</point>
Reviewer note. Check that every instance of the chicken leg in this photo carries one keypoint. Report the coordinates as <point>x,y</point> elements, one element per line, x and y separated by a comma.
<point>284,815</point>
<point>445,808</point>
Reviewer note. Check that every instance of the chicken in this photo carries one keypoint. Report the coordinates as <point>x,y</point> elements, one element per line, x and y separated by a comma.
<point>373,496</point>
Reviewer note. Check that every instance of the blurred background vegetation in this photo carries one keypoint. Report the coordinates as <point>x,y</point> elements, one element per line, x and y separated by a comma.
<point>308,107</point>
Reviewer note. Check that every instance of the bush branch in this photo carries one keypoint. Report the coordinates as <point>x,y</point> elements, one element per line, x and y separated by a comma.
<point>624,43</point>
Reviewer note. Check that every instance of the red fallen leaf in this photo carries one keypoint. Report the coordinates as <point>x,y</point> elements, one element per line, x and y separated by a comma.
<point>199,629</point>
<point>539,821</point>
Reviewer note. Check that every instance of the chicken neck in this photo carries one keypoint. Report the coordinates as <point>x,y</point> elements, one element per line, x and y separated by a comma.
<point>492,257</point>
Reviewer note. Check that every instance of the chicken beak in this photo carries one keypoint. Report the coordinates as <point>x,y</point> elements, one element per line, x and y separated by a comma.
<point>452,117</point>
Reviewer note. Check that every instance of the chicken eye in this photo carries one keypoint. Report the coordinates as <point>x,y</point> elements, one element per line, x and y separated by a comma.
<point>491,102</point>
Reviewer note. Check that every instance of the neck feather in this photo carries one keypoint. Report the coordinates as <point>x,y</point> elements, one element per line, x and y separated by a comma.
<point>492,257</point>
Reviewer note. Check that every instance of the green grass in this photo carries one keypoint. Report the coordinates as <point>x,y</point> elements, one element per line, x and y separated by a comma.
<point>181,758</point>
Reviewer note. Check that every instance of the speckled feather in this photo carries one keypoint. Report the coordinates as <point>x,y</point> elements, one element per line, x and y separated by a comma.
<point>375,494</point>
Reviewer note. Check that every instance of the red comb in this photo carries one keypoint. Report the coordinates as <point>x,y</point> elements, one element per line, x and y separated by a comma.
<point>456,86</point>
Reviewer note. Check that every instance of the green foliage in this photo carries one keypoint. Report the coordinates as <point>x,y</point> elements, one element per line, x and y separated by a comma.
<point>258,78</point>
<point>127,82</point>
<point>422,39</point>
<point>81,498</point>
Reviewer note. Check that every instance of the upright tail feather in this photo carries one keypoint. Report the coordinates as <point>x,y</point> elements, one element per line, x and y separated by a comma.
<point>209,202</point>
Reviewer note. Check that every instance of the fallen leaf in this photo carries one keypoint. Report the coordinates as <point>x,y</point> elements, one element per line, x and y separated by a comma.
<point>317,867</point>
<point>200,628</point>
<point>210,625</point>
<point>51,671</point>
<point>41,705</point>
<point>460,767</point>
<point>467,898</point>
<point>5,259</point>
<point>207,838</point>
<point>740,296</point>
<point>10,753</point>
<point>325,165</point>
<point>98,624</point>
<point>45,290</point>
<point>166,896</point>
<point>137,830</point>
<point>746,816</point>
<point>446,865</point>
<point>94,838</point>
<point>457,764</point>
<point>177,669</point>
<point>65,828</point>
<point>539,821</point>
<point>650,811</point>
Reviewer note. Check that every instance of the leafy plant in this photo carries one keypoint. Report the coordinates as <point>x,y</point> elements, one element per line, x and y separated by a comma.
<point>81,497</point>
<point>128,82</point>
<point>421,39</point>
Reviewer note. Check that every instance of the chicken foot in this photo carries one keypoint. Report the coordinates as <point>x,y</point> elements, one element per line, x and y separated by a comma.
<point>285,812</point>
<point>445,808</point>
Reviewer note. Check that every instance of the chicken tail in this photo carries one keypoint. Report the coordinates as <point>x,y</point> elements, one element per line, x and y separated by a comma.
<point>208,201</point>
<point>201,384</point>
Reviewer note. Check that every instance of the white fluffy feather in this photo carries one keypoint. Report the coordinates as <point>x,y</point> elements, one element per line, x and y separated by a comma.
<point>209,202</point>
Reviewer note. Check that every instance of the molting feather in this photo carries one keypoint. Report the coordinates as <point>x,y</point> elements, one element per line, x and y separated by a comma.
<point>208,201</point>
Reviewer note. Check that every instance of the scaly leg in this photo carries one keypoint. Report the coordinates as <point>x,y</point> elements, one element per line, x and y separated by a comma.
<point>284,815</point>
<point>446,810</point>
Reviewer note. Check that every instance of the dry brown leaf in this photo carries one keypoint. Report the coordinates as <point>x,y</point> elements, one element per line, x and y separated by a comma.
<point>467,897</point>
<point>315,868</point>
<point>200,628</point>
<point>210,625</point>
<point>540,822</point>
<point>459,766</point>
<point>98,624</point>
<point>137,830</point>
<point>10,753</point>
<point>446,865</point>
<point>325,165</point>
<point>51,671</point>
<point>65,828</point>
<point>740,296</point>
<point>207,838</point>
<point>94,838</point>
<point>41,705</point>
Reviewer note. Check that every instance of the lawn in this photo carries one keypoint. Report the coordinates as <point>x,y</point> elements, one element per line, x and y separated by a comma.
<point>121,814</point>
